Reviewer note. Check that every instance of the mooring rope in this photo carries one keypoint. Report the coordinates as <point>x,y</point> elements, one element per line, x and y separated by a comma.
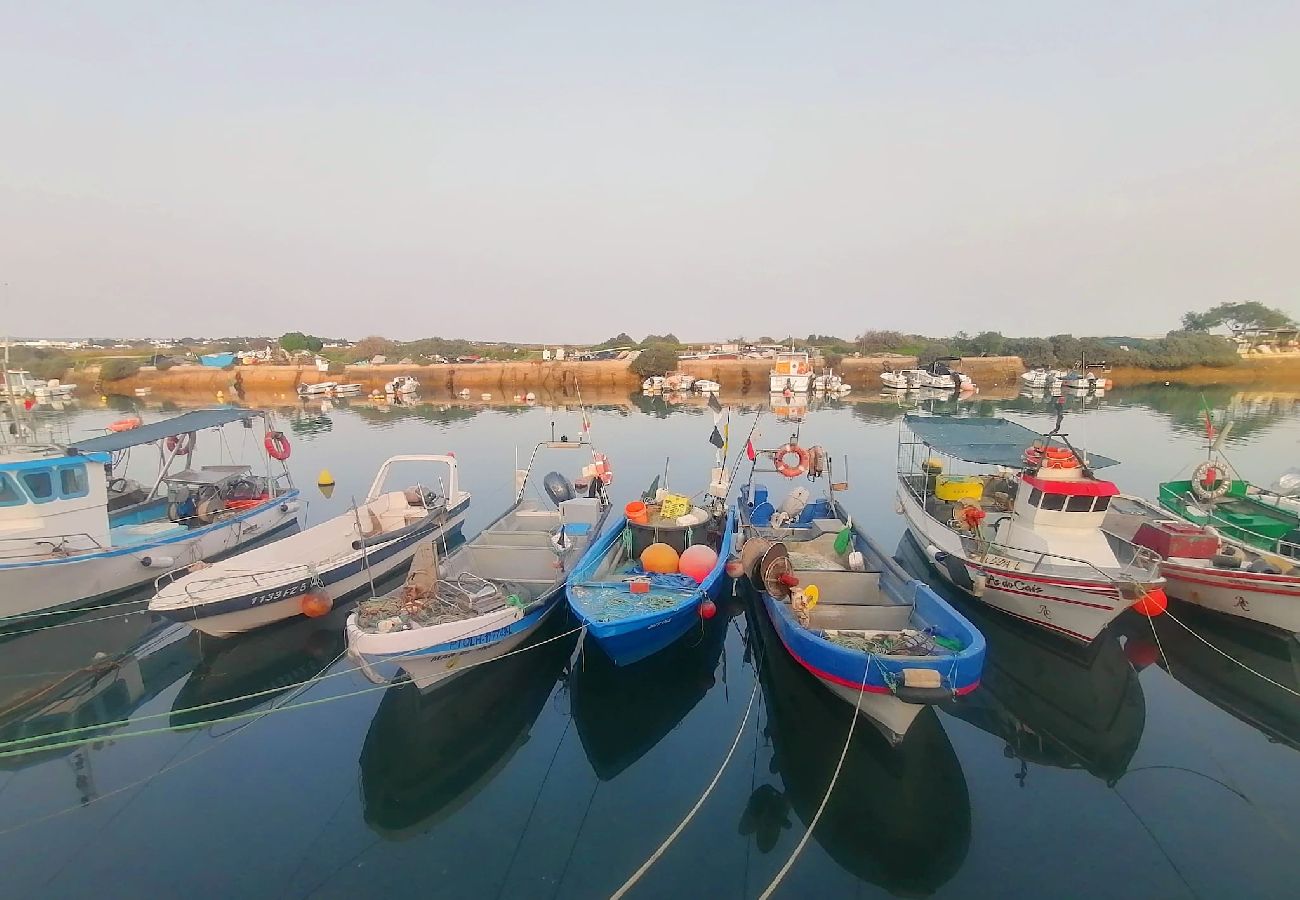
<point>1225,655</point>
<point>681,826</point>
<point>43,747</point>
<point>803,841</point>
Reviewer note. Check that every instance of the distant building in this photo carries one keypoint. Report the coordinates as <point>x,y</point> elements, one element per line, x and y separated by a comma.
<point>1268,340</point>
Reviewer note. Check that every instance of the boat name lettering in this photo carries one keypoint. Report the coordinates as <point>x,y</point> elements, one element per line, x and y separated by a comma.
<point>289,590</point>
<point>1029,587</point>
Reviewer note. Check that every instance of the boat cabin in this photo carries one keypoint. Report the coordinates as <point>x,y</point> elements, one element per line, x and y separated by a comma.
<point>48,497</point>
<point>792,363</point>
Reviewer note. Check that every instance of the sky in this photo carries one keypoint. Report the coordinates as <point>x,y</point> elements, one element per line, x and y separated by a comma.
<point>566,171</point>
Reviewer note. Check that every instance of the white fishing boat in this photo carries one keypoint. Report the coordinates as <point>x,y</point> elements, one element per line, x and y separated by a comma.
<point>906,379</point>
<point>21,383</point>
<point>1025,537</point>
<point>704,386</point>
<point>311,572</point>
<point>402,384</point>
<point>490,593</point>
<point>349,389</point>
<point>319,389</point>
<point>1042,377</point>
<point>653,385</point>
<point>791,371</point>
<point>943,375</point>
<point>830,383</point>
<point>678,381</point>
<point>75,528</point>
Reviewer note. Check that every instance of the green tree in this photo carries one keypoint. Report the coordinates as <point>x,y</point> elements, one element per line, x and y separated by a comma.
<point>1237,316</point>
<point>623,339</point>
<point>295,341</point>
<point>669,339</point>
<point>657,360</point>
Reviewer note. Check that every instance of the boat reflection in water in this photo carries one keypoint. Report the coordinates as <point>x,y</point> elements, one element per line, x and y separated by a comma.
<point>429,753</point>
<point>1053,703</point>
<point>899,816</point>
<point>621,713</point>
<point>1221,681</point>
<point>251,671</point>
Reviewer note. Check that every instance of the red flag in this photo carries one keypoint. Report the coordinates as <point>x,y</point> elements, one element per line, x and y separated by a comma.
<point>749,450</point>
<point>1209,426</point>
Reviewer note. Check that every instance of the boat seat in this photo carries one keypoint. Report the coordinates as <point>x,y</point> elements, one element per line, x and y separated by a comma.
<point>855,617</point>
<point>846,588</point>
<point>504,539</point>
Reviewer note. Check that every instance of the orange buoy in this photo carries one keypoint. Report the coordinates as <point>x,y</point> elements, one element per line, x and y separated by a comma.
<point>1152,603</point>
<point>660,559</point>
<point>698,561</point>
<point>315,604</point>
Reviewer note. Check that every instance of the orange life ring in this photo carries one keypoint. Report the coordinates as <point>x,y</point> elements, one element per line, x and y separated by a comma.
<point>181,444</point>
<point>972,516</point>
<point>125,424</point>
<point>277,445</point>
<point>783,467</point>
<point>603,469</point>
<point>1051,458</point>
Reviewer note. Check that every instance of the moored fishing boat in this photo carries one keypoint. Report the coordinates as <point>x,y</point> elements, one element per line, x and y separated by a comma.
<point>678,381</point>
<point>1042,554</point>
<point>880,640</point>
<point>1224,544</point>
<point>830,383</point>
<point>791,371</point>
<point>491,592</point>
<point>75,528</point>
<point>943,375</point>
<point>402,385</point>
<point>1042,377</point>
<point>906,379</point>
<point>654,576</point>
<point>217,360</point>
<point>310,572</point>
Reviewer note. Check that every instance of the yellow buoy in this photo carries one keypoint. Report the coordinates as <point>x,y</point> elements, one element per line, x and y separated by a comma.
<point>326,479</point>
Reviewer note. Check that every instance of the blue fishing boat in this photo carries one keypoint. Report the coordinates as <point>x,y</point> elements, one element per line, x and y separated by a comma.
<point>880,640</point>
<point>217,360</point>
<point>632,613</point>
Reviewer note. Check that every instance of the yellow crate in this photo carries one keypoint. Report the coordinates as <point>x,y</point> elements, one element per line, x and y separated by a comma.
<point>955,488</point>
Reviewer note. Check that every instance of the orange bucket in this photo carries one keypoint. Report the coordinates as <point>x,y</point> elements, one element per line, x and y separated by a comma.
<point>637,513</point>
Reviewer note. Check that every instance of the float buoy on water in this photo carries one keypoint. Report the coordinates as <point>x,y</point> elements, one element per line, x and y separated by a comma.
<point>278,446</point>
<point>326,478</point>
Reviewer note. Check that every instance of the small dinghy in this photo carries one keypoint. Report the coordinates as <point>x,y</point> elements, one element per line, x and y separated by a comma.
<point>877,638</point>
<point>310,572</point>
<point>491,592</point>
<point>632,612</point>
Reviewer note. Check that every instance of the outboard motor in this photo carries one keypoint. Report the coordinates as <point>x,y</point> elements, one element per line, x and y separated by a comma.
<point>558,488</point>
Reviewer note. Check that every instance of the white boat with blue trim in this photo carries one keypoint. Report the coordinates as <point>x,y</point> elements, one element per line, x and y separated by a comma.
<point>311,572</point>
<point>73,528</point>
<point>490,593</point>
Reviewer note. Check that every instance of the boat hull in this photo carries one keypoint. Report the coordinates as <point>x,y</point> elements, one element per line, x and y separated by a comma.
<point>436,653</point>
<point>1269,599</point>
<point>272,601</point>
<point>797,383</point>
<point>50,584</point>
<point>1076,608</point>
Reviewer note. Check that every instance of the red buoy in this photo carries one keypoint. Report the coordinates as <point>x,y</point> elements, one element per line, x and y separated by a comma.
<point>1152,603</point>
<point>708,609</point>
<point>315,604</point>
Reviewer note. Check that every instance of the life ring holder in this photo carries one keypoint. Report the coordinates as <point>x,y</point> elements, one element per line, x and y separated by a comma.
<point>278,446</point>
<point>780,460</point>
<point>181,444</point>
<point>1206,473</point>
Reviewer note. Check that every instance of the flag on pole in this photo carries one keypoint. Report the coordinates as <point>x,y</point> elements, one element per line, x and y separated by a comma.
<point>716,438</point>
<point>749,450</point>
<point>714,403</point>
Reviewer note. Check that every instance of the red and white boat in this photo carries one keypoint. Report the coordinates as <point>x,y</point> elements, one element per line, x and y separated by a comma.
<point>1023,532</point>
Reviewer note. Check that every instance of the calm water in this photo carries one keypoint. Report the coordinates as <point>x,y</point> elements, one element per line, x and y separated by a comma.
<point>1067,774</point>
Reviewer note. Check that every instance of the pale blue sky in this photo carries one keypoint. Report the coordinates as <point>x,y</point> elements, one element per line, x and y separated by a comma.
<point>549,171</point>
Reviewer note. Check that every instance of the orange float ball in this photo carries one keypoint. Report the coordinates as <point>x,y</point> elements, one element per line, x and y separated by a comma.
<point>1152,603</point>
<point>660,559</point>
<point>315,604</point>
<point>698,561</point>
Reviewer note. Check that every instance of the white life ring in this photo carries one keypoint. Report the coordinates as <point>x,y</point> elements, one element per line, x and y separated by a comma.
<point>1208,481</point>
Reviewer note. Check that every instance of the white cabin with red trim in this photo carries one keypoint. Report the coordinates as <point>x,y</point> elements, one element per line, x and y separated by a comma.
<point>1060,511</point>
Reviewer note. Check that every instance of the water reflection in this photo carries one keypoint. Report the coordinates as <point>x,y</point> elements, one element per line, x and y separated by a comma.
<point>622,713</point>
<point>1054,704</point>
<point>1266,707</point>
<point>427,754</point>
<point>899,817</point>
<point>249,671</point>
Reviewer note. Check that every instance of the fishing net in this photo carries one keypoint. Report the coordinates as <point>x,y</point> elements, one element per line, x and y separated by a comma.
<point>452,600</point>
<point>614,600</point>
<point>908,642</point>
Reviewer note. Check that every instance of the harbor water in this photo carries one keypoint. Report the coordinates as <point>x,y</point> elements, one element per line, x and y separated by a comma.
<point>139,758</point>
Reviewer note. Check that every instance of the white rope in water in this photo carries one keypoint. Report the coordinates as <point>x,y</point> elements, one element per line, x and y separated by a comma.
<point>654,857</point>
<point>803,841</point>
<point>1225,655</point>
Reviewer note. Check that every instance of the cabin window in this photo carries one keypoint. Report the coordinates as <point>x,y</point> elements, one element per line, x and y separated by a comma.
<point>1103,503</point>
<point>1035,497</point>
<point>9,493</point>
<point>72,481</point>
<point>1054,502</point>
<point>1078,504</point>
<point>39,484</point>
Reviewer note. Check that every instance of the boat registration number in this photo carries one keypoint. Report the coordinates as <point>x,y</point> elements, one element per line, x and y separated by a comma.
<point>281,593</point>
<point>1003,562</point>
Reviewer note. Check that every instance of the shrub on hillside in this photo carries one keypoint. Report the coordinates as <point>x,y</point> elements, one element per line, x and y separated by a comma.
<point>656,360</point>
<point>116,369</point>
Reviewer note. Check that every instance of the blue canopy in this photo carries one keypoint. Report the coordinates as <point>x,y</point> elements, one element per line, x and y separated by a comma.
<point>158,431</point>
<point>990,442</point>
